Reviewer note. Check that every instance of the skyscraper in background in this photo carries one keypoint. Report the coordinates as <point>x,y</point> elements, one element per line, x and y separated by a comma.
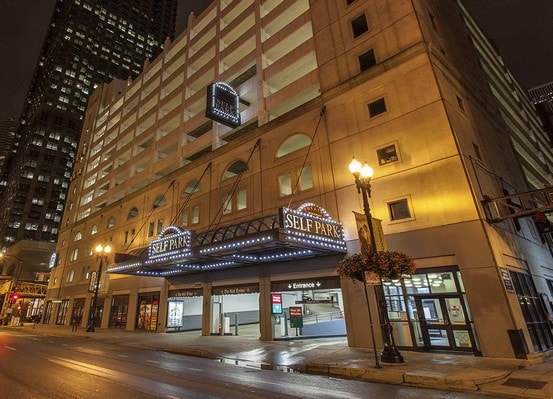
<point>88,42</point>
<point>542,97</point>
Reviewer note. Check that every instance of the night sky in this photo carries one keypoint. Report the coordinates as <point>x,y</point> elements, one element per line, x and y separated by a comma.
<point>521,29</point>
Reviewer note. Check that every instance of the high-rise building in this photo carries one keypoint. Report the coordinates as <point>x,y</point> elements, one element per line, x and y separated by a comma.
<point>542,97</point>
<point>88,42</point>
<point>219,178</point>
<point>8,128</point>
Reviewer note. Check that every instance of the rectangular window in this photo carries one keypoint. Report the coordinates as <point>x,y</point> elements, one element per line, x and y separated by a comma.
<point>399,209</point>
<point>70,276</point>
<point>75,254</point>
<point>306,178</point>
<point>184,218</point>
<point>227,204</point>
<point>359,25</point>
<point>387,154</point>
<point>285,184</point>
<point>367,60</point>
<point>377,107</point>
<point>151,229</point>
<point>242,200</point>
<point>196,214</point>
<point>159,226</point>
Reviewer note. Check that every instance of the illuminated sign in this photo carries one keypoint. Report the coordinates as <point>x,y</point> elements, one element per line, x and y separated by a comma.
<point>53,260</point>
<point>276,302</point>
<point>296,316</point>
<point>311,219</point>
<point>222,104</point>
<point>171,241</point>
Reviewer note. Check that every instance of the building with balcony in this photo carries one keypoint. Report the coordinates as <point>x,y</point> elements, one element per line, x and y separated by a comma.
<point>242,217</point>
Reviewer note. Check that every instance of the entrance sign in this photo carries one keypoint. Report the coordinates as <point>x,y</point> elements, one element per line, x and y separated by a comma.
<point>276,303</point>
<point>222,104</point>
<point>296,316</point>
<point>307,284</point>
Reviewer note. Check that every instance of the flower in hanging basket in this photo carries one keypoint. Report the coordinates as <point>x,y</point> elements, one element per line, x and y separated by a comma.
<point>386,264</point>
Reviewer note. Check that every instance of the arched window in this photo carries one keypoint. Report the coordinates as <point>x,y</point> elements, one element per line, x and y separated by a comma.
<point>132,213</point>
<point>235,169</point>
<point>111,222</point>
<point>293,143</point>
<point>78,236</point>
<point>192,187</point>
<point>94,230</point>
<point>159,201</point>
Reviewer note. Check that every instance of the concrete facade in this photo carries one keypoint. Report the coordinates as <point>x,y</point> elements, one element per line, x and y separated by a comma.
<point>297,68</point>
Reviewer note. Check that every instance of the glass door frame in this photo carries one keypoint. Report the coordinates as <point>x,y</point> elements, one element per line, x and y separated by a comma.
<point>447,325</point>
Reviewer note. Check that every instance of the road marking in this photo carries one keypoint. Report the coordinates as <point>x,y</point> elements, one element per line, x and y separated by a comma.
<point>152,361</point>
<point>10,348</point>
<point>193,369</point>
<point>172,397</point>
<point>137,383</point>
<point>122,355</point>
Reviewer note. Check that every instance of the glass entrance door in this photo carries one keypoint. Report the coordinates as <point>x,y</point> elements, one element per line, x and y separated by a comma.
<point>443,323</point>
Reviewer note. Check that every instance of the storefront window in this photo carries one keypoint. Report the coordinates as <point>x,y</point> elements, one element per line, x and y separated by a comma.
<point>119,309</point>
<point>533,311</point>
<point>148,306</point>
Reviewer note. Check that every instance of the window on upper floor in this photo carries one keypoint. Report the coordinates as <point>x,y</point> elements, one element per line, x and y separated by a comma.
<point>132,213</point>
<point>111,222</point>
<point>387,154</point>
<point>302,177</point>
<point>235,169</point>
<point>293,143</point>
<point>193,186</point>
<point>377,107</point>
<point>399,209</point>
<point>237,202</point>
<point>359,25</point>
<point>159,201</point>
<point>367,60</point>
<point>78,236</point>
<point>190,215</point>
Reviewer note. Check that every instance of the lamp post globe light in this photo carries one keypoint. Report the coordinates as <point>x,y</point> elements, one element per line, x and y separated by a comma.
<point>362,175</point>
<point>102,253</point>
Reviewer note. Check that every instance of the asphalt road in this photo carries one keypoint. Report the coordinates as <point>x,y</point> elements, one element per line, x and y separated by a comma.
<point>34,366</point>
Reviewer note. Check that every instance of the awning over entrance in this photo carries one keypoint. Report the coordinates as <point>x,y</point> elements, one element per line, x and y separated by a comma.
<point>291,234</point>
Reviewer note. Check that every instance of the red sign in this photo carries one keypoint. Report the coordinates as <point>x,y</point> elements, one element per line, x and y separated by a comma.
<point>296,312</point>
<point>276,302</point>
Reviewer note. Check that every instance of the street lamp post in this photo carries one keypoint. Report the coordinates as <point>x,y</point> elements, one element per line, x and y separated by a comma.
<point>362,175</point>
<point>102,253</point>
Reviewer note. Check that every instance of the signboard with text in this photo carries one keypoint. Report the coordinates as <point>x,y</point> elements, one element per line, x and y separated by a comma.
<point>296,316</point>
<point>276,303</point>
<point>223,104</point>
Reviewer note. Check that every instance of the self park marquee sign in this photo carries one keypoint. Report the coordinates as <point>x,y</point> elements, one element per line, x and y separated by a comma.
<point>312,219</point>
<point>172,241</point>
<point>309,228</point>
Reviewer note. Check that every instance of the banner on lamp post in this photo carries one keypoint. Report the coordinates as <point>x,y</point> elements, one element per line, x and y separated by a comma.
<point>365,235</point>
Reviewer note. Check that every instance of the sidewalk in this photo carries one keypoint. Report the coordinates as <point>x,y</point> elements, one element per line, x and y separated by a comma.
<point>505,378</point>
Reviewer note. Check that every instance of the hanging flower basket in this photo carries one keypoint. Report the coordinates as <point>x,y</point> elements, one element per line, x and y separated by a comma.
<point>386,264</point>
